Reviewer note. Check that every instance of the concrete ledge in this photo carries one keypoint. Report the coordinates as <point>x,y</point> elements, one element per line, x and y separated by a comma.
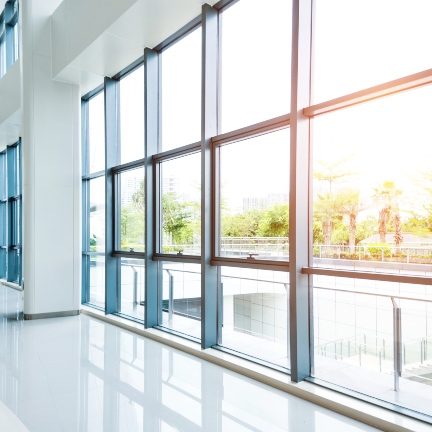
<point>12,285</point>
<point>51,315</point>
<point>359,410</point>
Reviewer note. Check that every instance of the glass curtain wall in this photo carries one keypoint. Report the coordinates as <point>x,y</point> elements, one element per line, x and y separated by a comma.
<point>178,185</point>
<point>93,192</point>
<point>3,215</point>
<point>371,202</point>
<point>303,239</point>
<point>11,214</point>
<point>9,36</point>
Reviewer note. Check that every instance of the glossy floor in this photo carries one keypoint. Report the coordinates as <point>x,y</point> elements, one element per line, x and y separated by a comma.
<point>80,374</point>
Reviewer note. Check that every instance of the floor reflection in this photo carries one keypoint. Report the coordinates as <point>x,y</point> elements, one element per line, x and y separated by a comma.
<point>80,374</point>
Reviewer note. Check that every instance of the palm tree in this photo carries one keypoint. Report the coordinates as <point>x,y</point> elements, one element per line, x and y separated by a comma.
<point>387,196</point>
<point>351,205</point>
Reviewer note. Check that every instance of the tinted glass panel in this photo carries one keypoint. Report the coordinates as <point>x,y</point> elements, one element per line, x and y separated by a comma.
<point>254,188</point>
<point>132,116</point>
<point>181,92</point>
<point>349,58</point>
<point>255,62</point>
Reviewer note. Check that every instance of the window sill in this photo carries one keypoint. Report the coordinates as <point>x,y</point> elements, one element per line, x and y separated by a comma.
<point>349,406</point>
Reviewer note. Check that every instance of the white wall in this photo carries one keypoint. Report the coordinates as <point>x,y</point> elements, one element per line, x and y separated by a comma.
<point>51,172</point>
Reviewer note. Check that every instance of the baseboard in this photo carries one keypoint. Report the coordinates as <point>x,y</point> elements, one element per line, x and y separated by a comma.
<point>51,315</point>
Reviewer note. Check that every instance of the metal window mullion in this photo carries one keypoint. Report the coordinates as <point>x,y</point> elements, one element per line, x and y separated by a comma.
<point>111,160</point>
<point>20,208</point>
<point>11,222</point>
<point>9,40</point>
<point>3,214</point>
<point>209,106</point>
<point>299,248</point>
<point>85,281</point>
<point>151,120</point>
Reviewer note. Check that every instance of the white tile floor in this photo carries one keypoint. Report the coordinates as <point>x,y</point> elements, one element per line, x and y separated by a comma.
<point>80,374</point>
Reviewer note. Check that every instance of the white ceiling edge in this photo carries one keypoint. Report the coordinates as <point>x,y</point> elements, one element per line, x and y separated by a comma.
<point>145,24</point>
<point>10,130</point>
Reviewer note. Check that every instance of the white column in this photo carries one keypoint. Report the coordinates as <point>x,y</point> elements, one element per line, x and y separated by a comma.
<point>51,173</point>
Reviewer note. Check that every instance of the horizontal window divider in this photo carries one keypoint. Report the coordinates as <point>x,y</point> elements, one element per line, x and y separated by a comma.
<point>371,293</point>
<point>93,175</point>
<point>15,198</point>
<point>356,274</point>
<point>224,4</point>
<point>92,93</point>
<point>126,254</point>
<point>252,131</point>
<point>129,69</point>
<point>254,280</point>
<point>178,152</point>
<point>14,247</point>
<point>140,163</point>
<point>179,34</point>
<point>386,89</point>
<point>3,201</point>
<point>94,253</point>
<point>14,19</point>
<point>177,258</point>
<point>251,263</point>
<point>252,359</point>
<point>177,333</point>
<point>3,247</point>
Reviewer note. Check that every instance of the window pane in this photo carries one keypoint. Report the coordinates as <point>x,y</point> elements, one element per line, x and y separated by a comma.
<point>97,214</point>
<point>254,197</point>
<point>181,298</point>
<point>372,197</point>
<point>97,133</point>
<point>354,339</point>
<point>349,58</point>
<point>132,201</point>
<point>255,313</point>
<point>181,92</point>
<point>255,62</point>
<point>132,288</point>
<point>97,280</point>
<point>132,116</point>
<point>181,205</point>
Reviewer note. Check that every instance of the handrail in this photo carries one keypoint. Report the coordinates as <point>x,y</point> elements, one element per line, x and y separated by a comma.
<point>374,294</point>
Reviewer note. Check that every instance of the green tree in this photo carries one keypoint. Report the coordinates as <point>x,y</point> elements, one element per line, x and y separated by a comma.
<point>138,198</point>
<point>176,218</point>
<point>244,224</point>
<point>274,222</point>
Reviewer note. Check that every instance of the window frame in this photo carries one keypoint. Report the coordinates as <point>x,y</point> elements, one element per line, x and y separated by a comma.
<point>299,120</point>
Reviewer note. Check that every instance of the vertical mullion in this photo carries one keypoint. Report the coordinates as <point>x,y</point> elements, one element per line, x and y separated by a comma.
<point>9,39</point>
<point>299,248</point>
<point>151,119</point>
<point>11,177</point>
<point>85,284</point>
<point>208,129</point>
<point>19,192</point>
<point>111,160</point>
<point>3,216</point>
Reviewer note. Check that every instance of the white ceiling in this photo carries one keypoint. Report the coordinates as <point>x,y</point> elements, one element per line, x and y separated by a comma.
<point>144,23</point>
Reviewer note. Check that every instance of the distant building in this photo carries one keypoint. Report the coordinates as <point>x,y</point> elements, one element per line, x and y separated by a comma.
<point>129,185</point>
<point>250,203</point>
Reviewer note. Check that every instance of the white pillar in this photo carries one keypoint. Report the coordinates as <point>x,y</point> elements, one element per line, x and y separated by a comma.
<point>51,174</point>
